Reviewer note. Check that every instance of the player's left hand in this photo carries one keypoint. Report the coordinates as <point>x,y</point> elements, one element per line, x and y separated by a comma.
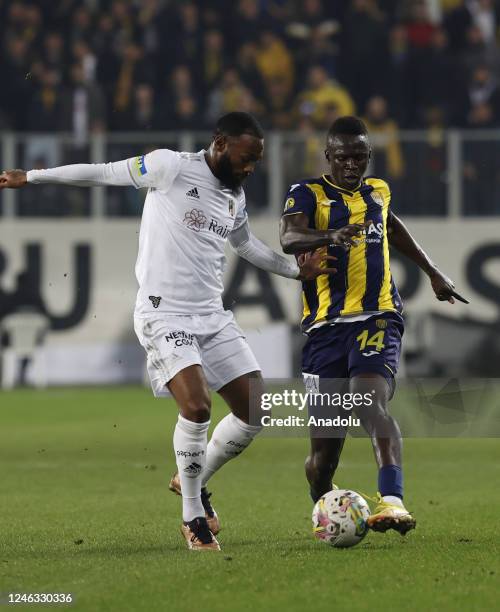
<point>312,264</point>
<point>443,286</point>
<point>12,179</point>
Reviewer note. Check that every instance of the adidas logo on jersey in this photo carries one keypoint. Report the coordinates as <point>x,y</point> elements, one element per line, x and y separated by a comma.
<point>193,193</point>
<point>155,300</point>
<point>193,468</point>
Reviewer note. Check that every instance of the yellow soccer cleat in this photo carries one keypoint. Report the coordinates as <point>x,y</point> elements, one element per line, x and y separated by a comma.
<point>198,536</point>
<point>390,516</point>
<point>210,514</point>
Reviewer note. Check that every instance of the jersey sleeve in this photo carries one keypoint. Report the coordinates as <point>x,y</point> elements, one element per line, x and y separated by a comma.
<point>156,169</point>
<point>388,196</point>
<point>300,199</point>
<point>241,213</point>
<point>381,193</point>
<point>385,191</point>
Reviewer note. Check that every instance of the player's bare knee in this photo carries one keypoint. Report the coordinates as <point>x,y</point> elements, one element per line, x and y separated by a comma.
<point>370,414</point>
<point>377,412</point>
<point>196,409</point>
<point>375,387</point>
<point>379,423</point>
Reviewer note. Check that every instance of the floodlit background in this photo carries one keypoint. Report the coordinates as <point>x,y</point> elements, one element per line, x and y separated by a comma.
<point>85,470</point>
<point>93,81</point>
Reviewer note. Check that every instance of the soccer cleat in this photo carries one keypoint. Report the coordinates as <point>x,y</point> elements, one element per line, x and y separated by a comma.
<point>210,513</point>
<point>198,536</point>
<point>175,484</point>
<point>390,516</point>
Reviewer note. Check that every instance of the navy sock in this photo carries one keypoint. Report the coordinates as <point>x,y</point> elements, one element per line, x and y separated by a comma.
<point>390,481</point>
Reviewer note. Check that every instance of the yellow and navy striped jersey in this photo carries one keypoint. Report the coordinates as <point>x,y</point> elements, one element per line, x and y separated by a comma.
<point>363,282</point>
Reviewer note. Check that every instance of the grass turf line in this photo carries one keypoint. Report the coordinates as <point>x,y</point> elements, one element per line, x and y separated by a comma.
<point>85,509</point>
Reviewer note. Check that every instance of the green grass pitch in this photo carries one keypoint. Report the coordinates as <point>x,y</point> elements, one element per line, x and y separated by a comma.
<point>85,509</point>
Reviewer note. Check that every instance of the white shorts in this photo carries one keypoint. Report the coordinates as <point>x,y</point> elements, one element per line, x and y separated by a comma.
<point>214,341</point>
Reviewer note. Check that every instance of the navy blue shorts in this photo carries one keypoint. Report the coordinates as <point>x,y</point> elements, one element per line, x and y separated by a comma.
<point>344,350</point>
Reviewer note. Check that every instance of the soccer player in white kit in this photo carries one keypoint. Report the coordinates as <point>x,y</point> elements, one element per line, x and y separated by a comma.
<point>194,204</point>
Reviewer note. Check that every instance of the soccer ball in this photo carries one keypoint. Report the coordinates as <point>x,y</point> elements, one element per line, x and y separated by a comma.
<point>339,518</point>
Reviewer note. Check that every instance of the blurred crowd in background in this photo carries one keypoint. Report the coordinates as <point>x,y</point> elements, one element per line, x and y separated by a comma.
<point>296,64</point>
<point>164,70</point>
<point>102,66</point>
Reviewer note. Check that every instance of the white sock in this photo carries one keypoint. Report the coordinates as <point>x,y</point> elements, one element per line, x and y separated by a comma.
<point>229,439</point>
<point>190,446</point>
<point>392,499</point>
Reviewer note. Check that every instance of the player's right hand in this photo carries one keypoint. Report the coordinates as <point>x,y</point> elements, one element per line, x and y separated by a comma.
<point>13,179</point>
<point>345,236</point>
<point>314,264</point>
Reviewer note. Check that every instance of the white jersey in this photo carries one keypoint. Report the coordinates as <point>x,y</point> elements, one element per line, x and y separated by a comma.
<point>188,215</point>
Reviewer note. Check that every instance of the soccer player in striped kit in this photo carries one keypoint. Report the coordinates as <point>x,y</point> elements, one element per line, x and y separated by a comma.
<point>353,319</point>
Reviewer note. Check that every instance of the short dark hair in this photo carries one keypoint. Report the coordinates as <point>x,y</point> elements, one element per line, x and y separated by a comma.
<point>352,126</point>
<point>237,124</point>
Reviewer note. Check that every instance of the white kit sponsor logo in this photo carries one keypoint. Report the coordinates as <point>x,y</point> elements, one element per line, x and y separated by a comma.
<point>196,220</point>
<point>180,338</point>
<point>193,193</point>
<point>218,228</point>
<point>193,468</point>
<point>236,444</point>
<point>182,453</point>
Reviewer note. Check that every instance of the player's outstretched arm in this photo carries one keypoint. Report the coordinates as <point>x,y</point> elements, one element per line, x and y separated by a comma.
<point>259,254</point>
<point>297,237</point>
<point>80,175</point>
<point>401,239</point>
<point>154,169</point>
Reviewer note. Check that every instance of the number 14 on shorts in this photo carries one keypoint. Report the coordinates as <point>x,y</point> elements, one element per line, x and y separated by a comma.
<point>376,340</point>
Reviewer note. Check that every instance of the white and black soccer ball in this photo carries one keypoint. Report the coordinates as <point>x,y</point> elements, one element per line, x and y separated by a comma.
<point>339,518</point>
